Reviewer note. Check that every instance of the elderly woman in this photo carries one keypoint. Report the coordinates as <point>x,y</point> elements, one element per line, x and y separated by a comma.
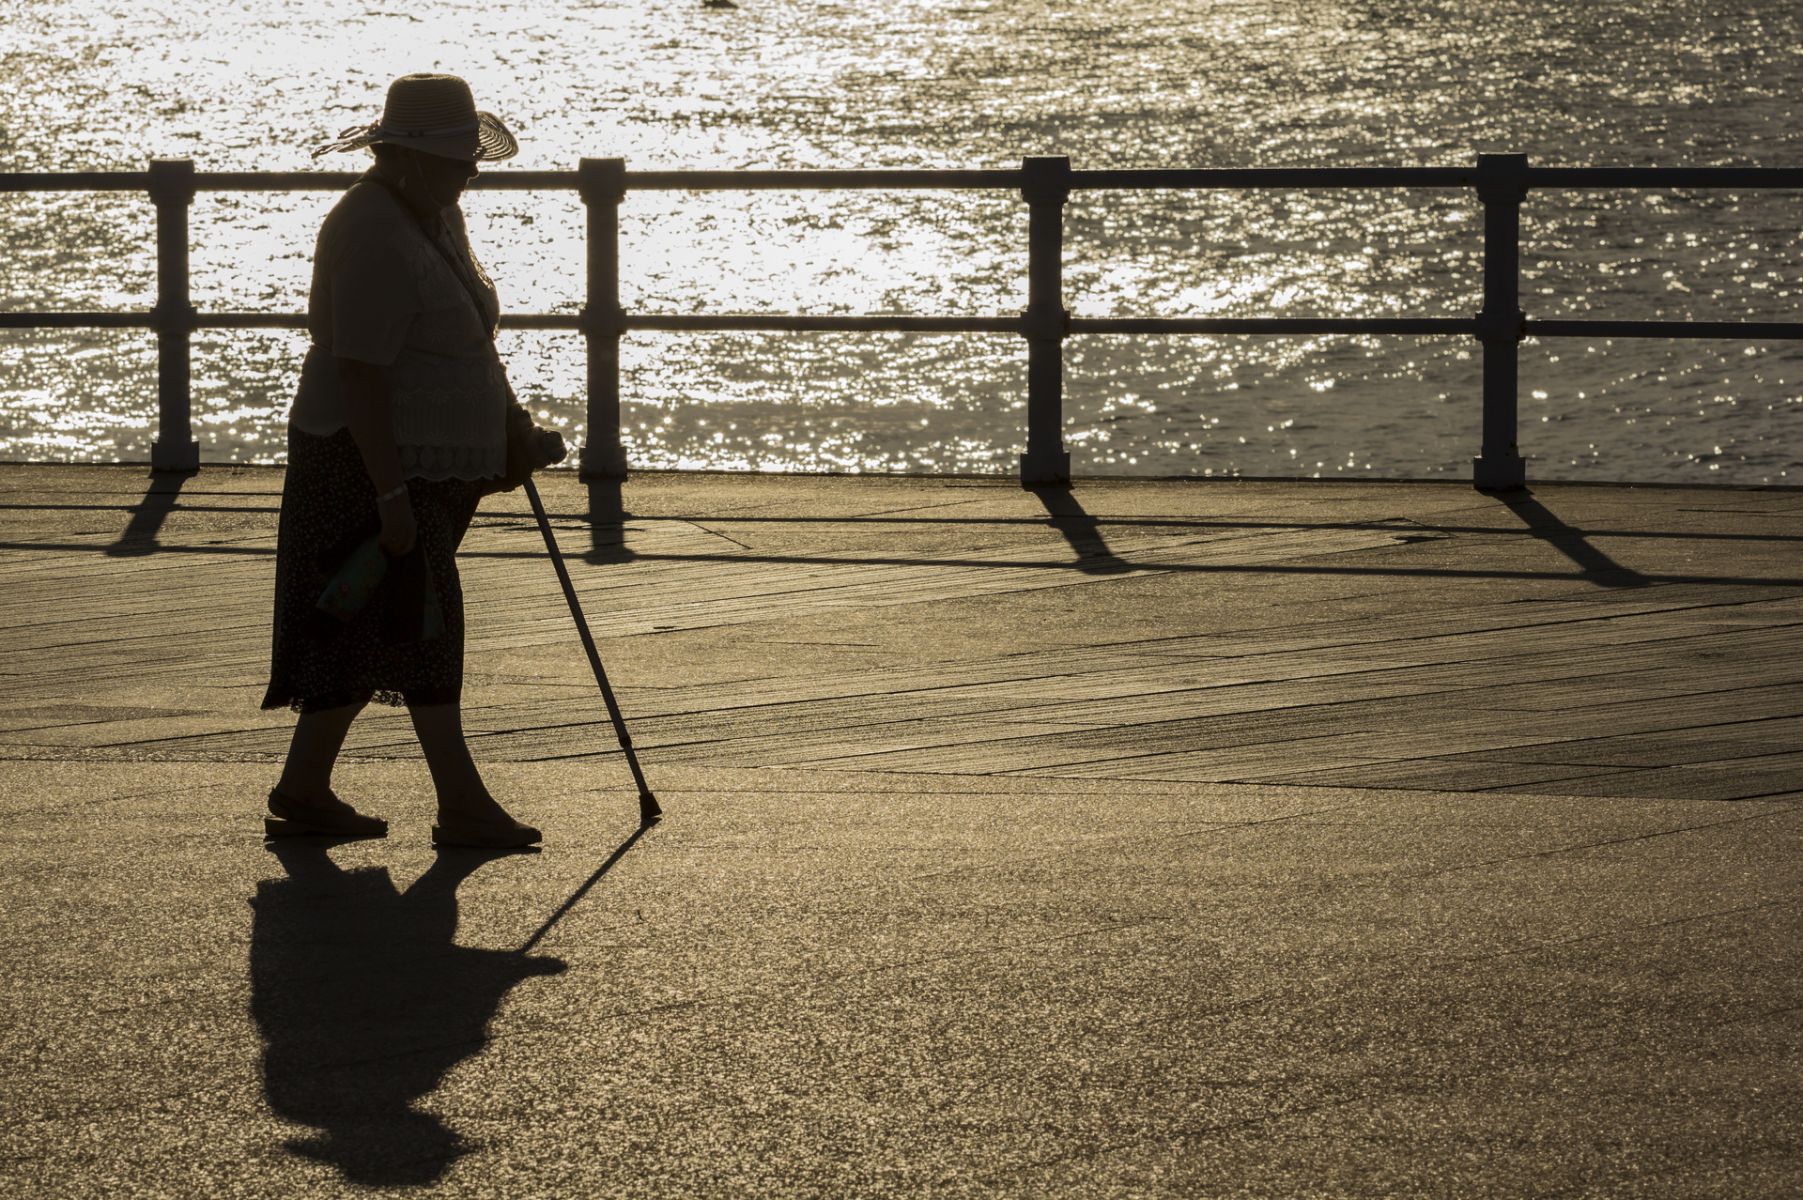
<point>400,425</point>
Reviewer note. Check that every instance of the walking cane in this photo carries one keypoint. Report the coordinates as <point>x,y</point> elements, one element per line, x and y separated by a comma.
<point>648,809</point>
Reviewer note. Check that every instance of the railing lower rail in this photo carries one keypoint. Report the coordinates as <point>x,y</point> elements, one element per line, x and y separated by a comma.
<point>1502,182</point>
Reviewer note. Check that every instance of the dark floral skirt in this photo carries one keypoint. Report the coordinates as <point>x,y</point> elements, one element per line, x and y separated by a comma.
<point>328,505</point>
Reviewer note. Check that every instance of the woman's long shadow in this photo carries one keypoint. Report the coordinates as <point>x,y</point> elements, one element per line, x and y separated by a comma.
<point>365,1002</point>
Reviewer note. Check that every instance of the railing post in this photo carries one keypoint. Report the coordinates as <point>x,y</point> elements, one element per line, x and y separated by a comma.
<point>602,183</point>
<point>1045,186</point>
<point>172,191</point>
<point>1502,184</point>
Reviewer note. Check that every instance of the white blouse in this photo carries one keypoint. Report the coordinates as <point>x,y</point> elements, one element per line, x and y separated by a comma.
<point>384,294</point>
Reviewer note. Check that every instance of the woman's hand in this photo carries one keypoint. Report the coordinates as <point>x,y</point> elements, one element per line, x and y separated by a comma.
<point>550,448</point>
<point>398,530</point>
<point>529,448</point>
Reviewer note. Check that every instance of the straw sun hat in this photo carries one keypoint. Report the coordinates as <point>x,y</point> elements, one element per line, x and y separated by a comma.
<point>434,114</point>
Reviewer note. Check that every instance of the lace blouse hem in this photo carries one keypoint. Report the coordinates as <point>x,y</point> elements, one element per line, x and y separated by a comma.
<point>452,462</point>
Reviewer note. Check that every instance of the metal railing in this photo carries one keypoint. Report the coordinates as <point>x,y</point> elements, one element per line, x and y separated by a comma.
<point>1502,183</point>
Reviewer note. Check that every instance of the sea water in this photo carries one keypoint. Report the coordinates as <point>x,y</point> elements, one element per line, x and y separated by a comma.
<point>254,84</point>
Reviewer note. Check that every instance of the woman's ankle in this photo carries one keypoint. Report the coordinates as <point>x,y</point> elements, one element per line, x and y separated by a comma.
<point>478,805</point>
<point>304,790</point>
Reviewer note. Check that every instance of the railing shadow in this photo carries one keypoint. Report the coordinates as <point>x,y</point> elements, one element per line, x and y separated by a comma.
<point>1544,524</point>
<point>365,1001</point>
<point>1085,533</point>
<point>1082,531</point>
<point>612,513</point>
<point>148,515</point>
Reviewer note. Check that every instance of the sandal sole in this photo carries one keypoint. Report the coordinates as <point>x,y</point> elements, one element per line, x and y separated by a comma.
<point>441,838</point>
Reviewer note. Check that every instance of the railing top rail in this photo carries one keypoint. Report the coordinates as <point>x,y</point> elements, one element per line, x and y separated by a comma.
<point>258,181</point>
<point>819,180</point>
<point>1131,178</point>
<point>74,181</point>
<point>1230,178</point>
<point>1665,177</point>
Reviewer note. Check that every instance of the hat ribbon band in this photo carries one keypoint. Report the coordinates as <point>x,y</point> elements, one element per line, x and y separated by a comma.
<point>445,131</point>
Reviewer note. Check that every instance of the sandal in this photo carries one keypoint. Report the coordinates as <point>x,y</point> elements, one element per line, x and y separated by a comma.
<point>480,834</point>
<point>330,817</point>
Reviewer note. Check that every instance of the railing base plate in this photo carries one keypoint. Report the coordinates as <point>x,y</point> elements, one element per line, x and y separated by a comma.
<point>603,462</point>
<point>1045,468</point>
<point>175,456</point>
<point>1498,474</point>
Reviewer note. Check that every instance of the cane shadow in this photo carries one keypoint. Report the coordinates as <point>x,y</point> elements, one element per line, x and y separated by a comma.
<point>365,1001</point>
<point>607,522</point>
<point>1546,525</point>
<point>1082,531</point>
<point>148,515</point>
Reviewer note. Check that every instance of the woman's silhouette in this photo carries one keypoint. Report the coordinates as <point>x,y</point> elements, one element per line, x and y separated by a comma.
<point>403,420</point>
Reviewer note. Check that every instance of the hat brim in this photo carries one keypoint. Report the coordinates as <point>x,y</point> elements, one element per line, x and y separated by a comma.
<point>492,141</point>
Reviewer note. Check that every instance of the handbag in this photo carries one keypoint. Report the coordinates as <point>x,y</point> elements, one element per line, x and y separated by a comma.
<point>399,587</point>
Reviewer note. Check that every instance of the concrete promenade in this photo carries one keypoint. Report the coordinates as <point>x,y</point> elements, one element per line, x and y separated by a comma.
<point>1141,839</point>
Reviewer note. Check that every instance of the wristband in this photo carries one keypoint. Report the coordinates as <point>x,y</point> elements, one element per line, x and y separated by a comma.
<point>398,490</point>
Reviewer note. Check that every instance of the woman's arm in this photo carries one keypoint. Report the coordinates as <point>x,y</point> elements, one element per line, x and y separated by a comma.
<point>372,428</point>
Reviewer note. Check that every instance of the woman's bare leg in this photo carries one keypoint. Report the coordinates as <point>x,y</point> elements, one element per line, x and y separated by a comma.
<point>455,778</point>
<point>313,752</point>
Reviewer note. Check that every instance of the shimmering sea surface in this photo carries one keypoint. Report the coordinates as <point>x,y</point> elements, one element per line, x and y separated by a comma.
<point>253,84</point>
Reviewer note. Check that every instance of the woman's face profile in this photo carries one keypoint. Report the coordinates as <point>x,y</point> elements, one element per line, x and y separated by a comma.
<point>442,178</point>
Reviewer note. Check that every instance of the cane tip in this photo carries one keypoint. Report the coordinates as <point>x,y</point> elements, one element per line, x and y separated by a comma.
<point>649,812</point>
